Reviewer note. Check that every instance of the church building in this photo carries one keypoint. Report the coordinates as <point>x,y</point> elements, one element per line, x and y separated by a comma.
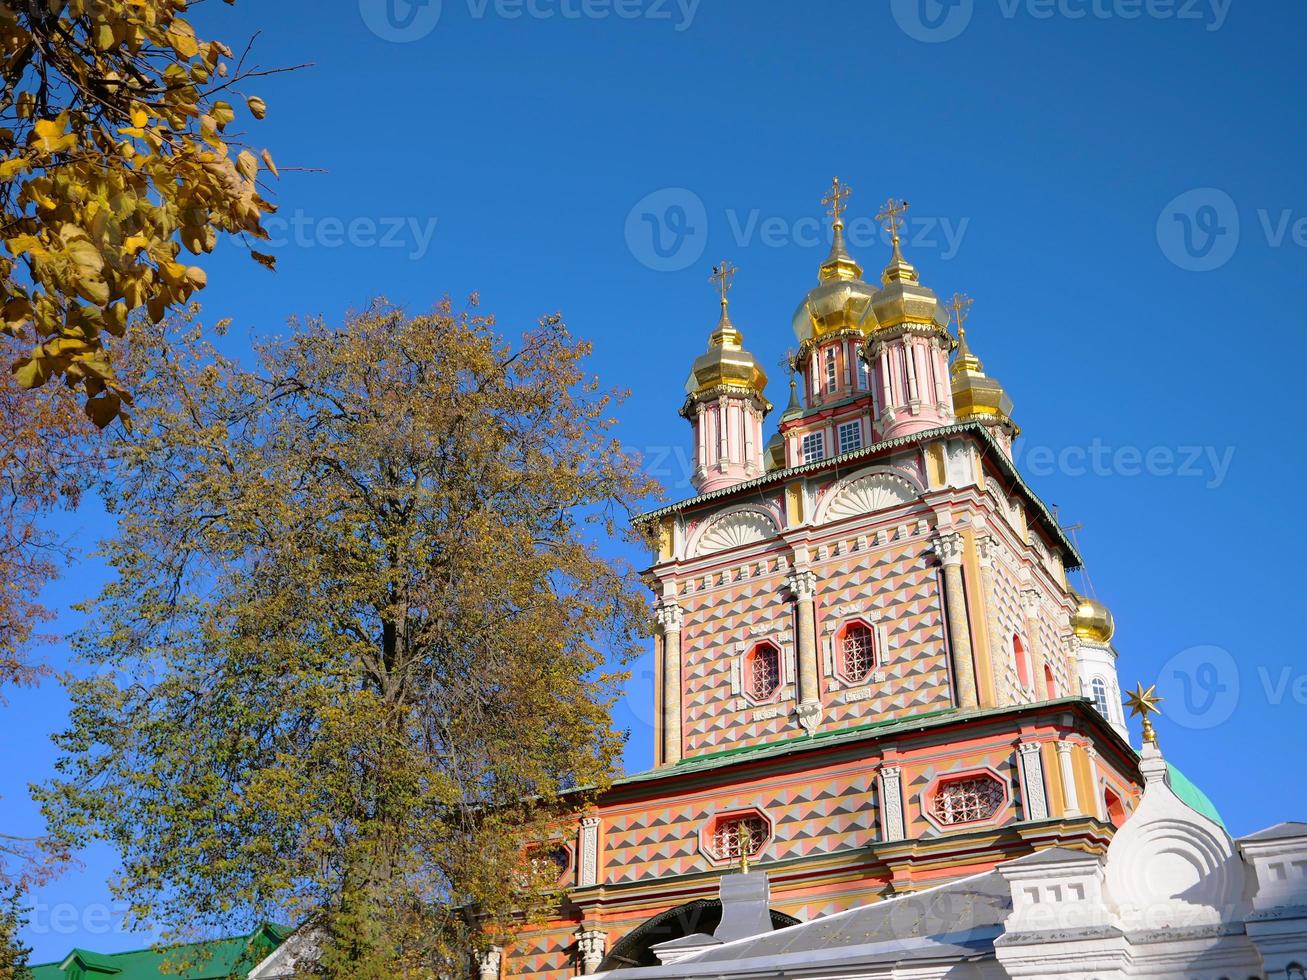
<point>890,736</point>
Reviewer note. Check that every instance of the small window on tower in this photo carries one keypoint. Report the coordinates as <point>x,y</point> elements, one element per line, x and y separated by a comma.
<point>735,836</point>
<point>850,436</point>
<point>764,672</point>
<point>814,447</point>
<point>1099,691</point>
<point>832,370</point>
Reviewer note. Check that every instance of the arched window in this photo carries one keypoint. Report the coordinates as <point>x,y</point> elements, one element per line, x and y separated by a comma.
<point>857,651</point>
<point>968,799</point>
<point>1022,661</point>
<point>764,672</point>
<point>1098,690</point>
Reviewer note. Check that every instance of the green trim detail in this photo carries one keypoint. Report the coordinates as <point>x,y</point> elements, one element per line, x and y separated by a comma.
<point>219,959</point>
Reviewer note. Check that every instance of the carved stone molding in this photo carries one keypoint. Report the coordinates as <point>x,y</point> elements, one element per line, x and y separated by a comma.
<point>488,963</point>
<point>669,615</point>
<point>591,946</point>
<point>1032,772</point>
<point>735,529</point>
<point>950,547</point>
<point>803,583</point>
<point>588,874</point>
<point>891,803</point>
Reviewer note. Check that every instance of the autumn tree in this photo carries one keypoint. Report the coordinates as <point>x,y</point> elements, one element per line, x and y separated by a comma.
<point>118,161</point>
<point>13,952</point>
<point>362,639</point>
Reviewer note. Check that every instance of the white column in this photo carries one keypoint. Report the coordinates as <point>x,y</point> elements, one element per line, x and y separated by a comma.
<point>1064,763</point>
<point>669,620</point>
<point>588,871</point>
<point>1100,802</point>
<point>488,963</point>
<point>591,945</point>
<point>891,803</point>
<point>1032,776</point>
<point>803,583</point>
<point>955,601</point>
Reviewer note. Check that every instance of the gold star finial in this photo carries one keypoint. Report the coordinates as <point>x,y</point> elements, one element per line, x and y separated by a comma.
<point>1144,704</point>
<point>891,216</point>
<point>960,304</point>
<point>835,201</point>
<point>722,275</point>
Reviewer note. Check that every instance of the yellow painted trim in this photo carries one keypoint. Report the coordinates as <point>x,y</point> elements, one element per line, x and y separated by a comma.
<point>936,474</point>
<point>1053,781</point>
<point>1085,782</point>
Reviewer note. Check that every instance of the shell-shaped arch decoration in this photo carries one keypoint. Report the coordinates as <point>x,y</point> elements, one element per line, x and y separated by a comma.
<point>866,493</point>
<point>734,529</point>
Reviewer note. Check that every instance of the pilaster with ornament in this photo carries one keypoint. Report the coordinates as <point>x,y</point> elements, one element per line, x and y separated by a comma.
<point>1007,689</point>
<point>802,584</point>
<point>1034,792</point>
<point>891,804</point>
<point>670,618</point>
<point>1030,602</point>
<point>950,547</point>
<point>588,848</point>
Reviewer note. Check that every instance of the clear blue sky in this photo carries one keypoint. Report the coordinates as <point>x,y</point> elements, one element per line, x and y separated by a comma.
<point>1050,150</point>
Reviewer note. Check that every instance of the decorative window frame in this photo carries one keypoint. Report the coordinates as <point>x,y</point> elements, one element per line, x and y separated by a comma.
<point>819,438</point>
<point>710,827</point>
<point>927,797</point>
<point>858,441</point>
<point>740,667</point>
<point>567,874</point>
<point>841,617</point>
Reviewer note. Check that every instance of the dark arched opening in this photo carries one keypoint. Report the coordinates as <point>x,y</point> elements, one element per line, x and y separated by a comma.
<point>704,916</point>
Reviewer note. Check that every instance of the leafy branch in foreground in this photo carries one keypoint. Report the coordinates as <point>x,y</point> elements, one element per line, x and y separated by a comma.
<point>116,152</point>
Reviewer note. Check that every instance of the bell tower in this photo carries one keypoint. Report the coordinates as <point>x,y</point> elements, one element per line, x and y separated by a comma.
<point>725,403</point>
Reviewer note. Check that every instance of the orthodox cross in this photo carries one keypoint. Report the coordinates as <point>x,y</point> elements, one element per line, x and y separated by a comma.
<point>891,216</point>
<point>722,276</point>
<point>1143,704</point>
<point>834,201</point>
<point>960,304</point>
<point>745,837</point>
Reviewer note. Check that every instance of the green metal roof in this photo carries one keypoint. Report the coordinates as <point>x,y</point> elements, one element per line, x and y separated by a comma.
<point>219,959</point>
<point>1193,797</point>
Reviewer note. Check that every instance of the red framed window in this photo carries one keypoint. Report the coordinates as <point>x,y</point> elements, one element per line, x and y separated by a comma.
<point>735,836</point>
<point>763,672</point>
<point>857,651</point>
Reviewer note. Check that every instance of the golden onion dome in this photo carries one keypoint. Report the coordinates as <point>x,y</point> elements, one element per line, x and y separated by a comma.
<point>902,299</point>
<point>1092,621</point>
<point>841,299</point>
<point>975,394</point>
<point>726,365</point>
<point>776,452</point>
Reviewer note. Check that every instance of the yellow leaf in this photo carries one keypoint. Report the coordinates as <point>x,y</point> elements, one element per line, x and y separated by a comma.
<point>104,409</point>
<point>267,261</point>
<point>182,38</point>
<point>267,162</point>
<point>247,165</point>
<point>140,117</point>
<point>258,108</point>
<point>30,372</point>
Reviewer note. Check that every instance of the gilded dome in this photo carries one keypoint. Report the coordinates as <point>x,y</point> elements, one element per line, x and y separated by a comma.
<point>976,394</point>
<point>726,364</point>
<point>1093,621</point>
<point>903,299</point>
<point>841,299</point>
<point>776,452</point>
